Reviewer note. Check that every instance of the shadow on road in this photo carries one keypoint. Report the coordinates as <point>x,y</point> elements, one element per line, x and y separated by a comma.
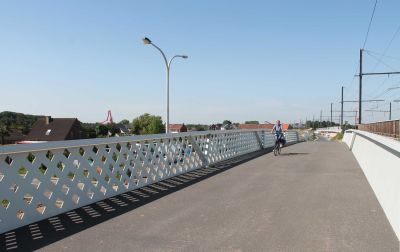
<point>294,154</point>
<point>45,232</point>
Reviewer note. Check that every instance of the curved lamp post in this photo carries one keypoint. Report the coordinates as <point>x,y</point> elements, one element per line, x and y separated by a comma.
<point>147,41</point>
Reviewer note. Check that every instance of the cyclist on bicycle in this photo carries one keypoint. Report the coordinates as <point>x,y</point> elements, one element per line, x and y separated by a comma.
<point>278,130</point>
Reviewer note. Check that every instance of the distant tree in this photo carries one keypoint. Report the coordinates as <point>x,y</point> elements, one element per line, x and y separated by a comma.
<point>197,127</point>
<point>4,131</point>
<point>290,127</point>
<point>90,133</point>
<point>124,122</point>
<point>347,126</point>
<point>147,124</point>
<point>112,129</point>
<point>226,122</point>
<point>251,122</point>
<point>324,124</point>
<point>312,124</point>
<point>89,130</point>
<point>316,124</point>
<point>101,130</point>
<point>17,121</point>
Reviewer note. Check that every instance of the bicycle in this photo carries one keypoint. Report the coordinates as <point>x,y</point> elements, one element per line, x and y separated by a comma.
<point>279,143</point>
<point>277,148</point>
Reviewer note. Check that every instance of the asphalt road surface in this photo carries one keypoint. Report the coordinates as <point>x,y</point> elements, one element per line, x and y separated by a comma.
<point>314,197</point>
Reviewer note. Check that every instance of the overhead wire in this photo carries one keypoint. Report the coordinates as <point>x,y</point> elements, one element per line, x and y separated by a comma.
<point>380,61</point>
<point>383,56</point>
<point>380,91</point>
<point>389,98</point>
<point>388,46</point>
<point>365,42</point>
<point>369,25</point>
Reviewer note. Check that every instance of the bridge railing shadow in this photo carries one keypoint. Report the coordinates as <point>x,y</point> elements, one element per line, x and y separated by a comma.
<point>294,154</point>
<point>48,231</point>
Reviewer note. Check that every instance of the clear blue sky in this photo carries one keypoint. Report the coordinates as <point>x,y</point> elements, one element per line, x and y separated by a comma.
<point>249,60</point>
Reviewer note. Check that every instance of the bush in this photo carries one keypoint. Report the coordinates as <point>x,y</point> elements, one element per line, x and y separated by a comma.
<point>148,124</point>
<point>339,136</point>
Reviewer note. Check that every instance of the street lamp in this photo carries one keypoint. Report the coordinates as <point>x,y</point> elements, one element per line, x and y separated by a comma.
<point>147,41</point>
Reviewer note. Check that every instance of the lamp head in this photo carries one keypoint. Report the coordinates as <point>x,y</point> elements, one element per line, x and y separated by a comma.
<point>146,41</point>
<point>185,56</point>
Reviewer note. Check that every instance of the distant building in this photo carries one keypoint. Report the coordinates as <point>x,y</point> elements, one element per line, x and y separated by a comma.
<point>124,130</point>
<point>215,127</point>
<point>55,129</point>
<point>269,126</point>
<point>230,126</point>
<point>256,126</point>
<point>285,126</point>
<point>177,128</point>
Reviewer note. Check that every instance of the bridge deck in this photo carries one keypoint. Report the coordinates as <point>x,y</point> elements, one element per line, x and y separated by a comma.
<point>312,198</point>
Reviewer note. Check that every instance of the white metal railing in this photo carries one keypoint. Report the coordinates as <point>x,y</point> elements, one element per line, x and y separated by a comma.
<point>41,180</point>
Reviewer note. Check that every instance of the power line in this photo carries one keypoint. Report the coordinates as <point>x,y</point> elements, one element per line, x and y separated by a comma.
<point>384,56</point>
<point>381,56</point>
<point>389,99</point>
<point>379,87</point>
<point>388,46</point>
<point>374,100</point>
<point>379,61</point>
<point>350,85</point>
<point>360,75</point>
<point>384,92</point>
<point>381,111</point>
<point>370,22</point>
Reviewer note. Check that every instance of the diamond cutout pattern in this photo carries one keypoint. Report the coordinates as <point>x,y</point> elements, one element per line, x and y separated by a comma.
<point>52,181</point>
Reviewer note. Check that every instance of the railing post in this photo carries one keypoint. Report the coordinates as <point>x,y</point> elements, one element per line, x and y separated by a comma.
<point>198,151</point>
<point>259,139</point>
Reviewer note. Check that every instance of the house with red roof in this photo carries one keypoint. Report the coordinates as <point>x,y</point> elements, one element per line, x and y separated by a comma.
<point>177,128</point>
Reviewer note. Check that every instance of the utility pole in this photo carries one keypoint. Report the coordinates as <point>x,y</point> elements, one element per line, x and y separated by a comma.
<point>355,119</point>
<point>331,115</point>
<point>360,75</point>
<point>320,119</point>
<point>360,88</point>
<point>390,111</point>
<point>341,111</point>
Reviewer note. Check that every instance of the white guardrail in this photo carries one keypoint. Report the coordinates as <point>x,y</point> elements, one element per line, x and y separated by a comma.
<point>38,181</point>
<point>379,158</point>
